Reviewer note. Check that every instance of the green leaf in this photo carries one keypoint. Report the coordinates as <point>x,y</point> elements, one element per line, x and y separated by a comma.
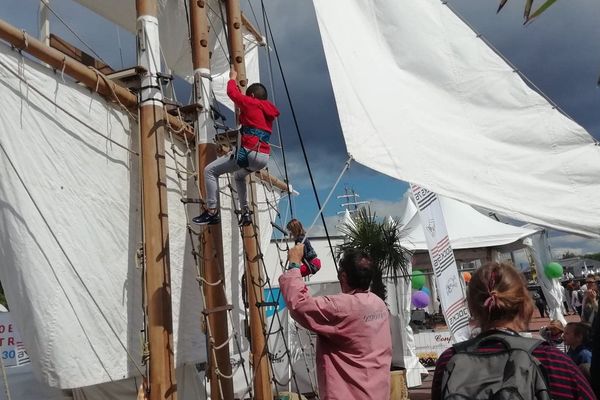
<point>528,4</point>
<point>382,241</point>
<point>502,3</point>
<point>540,10</point>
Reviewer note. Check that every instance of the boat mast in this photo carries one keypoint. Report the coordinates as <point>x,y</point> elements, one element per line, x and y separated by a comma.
<point>154,204</point>
<point>251,233</point>
<point>212,239</point>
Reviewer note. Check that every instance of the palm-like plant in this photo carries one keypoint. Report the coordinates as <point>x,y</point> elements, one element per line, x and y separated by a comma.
<point>527,10</point>
<point>382,241</point>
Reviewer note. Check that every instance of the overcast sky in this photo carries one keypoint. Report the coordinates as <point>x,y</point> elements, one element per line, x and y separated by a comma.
<point>559,53</point>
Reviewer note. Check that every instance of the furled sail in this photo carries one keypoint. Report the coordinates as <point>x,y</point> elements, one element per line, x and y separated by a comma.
<point>175,42</point>
<point>439,108</point>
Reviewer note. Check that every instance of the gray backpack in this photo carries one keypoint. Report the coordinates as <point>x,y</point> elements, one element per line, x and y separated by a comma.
<point>509,374</point>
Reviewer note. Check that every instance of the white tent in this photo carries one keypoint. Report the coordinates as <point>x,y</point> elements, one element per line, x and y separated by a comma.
<point>467,228</point>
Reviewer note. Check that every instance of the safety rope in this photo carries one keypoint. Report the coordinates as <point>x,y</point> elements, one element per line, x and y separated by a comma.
<point>272,88</point>
<point>234,337</point>
<point>259,286</point>
<point>301,140</point>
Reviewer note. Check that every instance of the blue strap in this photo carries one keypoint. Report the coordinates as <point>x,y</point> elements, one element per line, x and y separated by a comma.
<point>263,136</point>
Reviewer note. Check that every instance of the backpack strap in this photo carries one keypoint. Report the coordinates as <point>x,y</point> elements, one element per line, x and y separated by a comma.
<point>510,342</point>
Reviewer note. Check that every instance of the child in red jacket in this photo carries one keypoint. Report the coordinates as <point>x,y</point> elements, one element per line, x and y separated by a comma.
<point>256,115</point>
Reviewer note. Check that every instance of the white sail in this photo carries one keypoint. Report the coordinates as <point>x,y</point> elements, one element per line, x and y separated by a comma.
<point>70,229</point>
<point>174,38</point>
<point>439,108</point>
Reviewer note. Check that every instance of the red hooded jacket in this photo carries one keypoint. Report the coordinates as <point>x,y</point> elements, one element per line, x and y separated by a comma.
<point>254,113</point>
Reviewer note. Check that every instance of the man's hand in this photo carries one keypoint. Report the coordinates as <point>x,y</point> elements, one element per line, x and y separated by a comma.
<point>142,394</point>
<point>232,73</point>
<point>296,253</point>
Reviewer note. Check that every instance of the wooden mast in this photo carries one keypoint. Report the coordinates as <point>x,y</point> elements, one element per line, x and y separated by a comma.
<point>254,280</point>
<point>212,239</point>
<point>154,203</point>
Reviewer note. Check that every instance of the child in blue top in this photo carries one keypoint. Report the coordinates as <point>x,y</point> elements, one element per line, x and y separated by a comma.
<point>310,262</point>
<point>577,337</point>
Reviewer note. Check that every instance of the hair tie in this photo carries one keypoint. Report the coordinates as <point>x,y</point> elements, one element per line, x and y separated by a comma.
<point>492,299</point>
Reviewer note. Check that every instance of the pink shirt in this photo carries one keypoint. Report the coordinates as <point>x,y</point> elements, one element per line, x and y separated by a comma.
<point>354,344</point>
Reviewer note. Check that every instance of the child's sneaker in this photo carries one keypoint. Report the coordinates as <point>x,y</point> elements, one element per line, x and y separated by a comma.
<point>245,218</point>
<point>207,218</point>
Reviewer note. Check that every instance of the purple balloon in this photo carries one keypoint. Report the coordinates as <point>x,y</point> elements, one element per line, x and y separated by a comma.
<point>420,299</point>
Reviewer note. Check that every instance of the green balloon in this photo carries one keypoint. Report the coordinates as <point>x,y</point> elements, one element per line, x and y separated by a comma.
<point>553,270</point>
<point>418,279</point>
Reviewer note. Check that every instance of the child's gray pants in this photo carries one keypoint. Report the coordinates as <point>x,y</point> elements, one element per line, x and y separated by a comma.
<point>228,164</point>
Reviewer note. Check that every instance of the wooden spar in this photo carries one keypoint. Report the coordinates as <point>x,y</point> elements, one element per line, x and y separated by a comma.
<point>212,239</point>
<point>260,362</point>
<point>78,71</point>
<point>269,179</point>
<point>252,29</point>
<point>161,378</point>
<point>79,55</point>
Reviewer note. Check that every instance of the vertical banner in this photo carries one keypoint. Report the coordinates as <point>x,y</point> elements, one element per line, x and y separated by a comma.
<point>450,289</point>
<point>12,349</point>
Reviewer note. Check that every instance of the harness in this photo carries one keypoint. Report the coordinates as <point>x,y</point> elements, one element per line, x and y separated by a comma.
<point>241,155</point>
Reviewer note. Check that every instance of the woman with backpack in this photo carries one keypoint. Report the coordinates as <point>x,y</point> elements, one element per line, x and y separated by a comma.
<point>499,363</point>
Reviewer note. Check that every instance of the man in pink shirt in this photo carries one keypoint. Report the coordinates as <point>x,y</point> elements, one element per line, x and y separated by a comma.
<point>354,344</point>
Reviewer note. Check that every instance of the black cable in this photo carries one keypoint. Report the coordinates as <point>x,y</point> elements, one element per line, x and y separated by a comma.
<point>226,32</point>
<point>285,170</point>
<point>312,181</point>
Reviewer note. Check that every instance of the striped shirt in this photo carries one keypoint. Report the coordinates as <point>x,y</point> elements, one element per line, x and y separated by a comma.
<point>566,382</point>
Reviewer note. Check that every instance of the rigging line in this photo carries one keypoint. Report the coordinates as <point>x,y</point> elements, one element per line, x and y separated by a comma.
<point>187,20</point>
<point>62,249</point>
<point>210,337</point>
<point>226,32</point>
<point>223,49</point>
<point>312,181</point>
<point>45,97</point>
<point>253,13</point>
<point>272,87</point>
<point>47,5</point>
<point>120,47</point>
<point>346,166</point>
<point>261,261</point>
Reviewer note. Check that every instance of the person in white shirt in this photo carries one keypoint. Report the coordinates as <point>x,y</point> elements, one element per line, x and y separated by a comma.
<point>575,298</point>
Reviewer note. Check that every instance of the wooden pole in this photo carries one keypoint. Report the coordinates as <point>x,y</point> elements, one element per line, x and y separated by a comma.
<point>212,240</point>
<point>78,71</point>
<point>251,233</point>
<point>162,383</point>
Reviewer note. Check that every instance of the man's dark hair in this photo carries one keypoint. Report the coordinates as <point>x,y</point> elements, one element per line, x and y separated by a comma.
<point>358,266</point>
<point>258,90</point>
